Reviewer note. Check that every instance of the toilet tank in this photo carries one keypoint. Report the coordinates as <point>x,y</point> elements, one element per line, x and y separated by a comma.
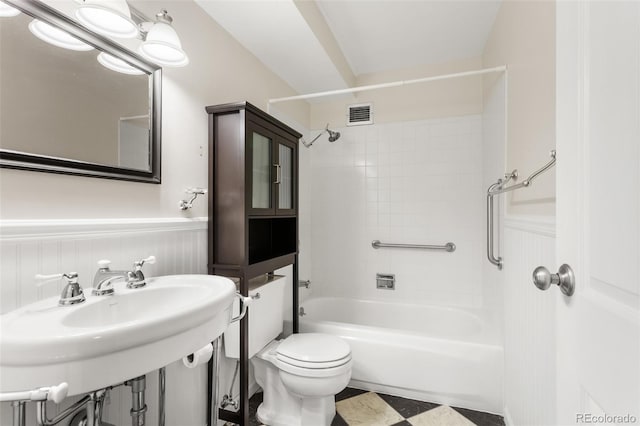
<point>265,316</point>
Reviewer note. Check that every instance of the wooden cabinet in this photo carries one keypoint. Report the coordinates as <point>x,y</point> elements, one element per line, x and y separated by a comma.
<point>253,200</point>
<point>253,208</point>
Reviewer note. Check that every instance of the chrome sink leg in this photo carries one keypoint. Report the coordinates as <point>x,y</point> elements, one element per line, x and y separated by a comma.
<point>19,413</point>
<point>138,406</point>
<point>162,378</point>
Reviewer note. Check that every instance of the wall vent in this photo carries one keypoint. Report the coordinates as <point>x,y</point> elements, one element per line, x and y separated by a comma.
<point>360,114</point>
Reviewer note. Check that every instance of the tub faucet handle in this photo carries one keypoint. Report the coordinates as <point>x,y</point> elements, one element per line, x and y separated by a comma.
<point>304,283</point>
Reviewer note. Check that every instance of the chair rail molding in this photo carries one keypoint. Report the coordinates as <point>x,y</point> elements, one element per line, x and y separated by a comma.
<point>74,228</point>
<point>541,225</point>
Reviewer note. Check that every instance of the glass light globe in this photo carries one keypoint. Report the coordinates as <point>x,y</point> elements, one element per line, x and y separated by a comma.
<point>56,36</point>
<point>108,17</point>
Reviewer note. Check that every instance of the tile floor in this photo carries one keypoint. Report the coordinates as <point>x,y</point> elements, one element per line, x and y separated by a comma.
<point>363,408</point>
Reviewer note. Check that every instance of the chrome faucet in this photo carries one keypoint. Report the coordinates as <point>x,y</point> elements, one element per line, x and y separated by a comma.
<point>71,293</point>
<point>105,277</point>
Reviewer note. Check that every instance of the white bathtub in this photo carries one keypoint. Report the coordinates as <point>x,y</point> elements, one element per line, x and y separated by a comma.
<point>444,355</point>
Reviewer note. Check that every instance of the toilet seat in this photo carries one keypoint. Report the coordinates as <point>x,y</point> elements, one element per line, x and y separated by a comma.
<point>309,355</point>
<point>314,372</point>
<point>313,365</point>
<point>313,350</point>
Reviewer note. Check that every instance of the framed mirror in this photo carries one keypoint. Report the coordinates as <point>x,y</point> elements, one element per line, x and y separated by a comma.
<point>62,111</point>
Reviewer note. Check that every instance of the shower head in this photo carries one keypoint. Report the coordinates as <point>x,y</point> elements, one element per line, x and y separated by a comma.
<point>333,136</point>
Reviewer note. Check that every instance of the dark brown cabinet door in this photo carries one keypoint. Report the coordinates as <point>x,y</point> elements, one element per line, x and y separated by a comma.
<point>271,171</point>
<point>286,187</point>
<point>261,170</point>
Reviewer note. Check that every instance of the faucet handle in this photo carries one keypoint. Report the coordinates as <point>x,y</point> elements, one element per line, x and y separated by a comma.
<point>72,292</point>
<point>45,279</point>
<point>135,278</point>
<point>137,265</point>
<point>104,263</point>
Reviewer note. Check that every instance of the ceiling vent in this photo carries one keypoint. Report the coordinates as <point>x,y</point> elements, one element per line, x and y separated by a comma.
<point>358,115</point>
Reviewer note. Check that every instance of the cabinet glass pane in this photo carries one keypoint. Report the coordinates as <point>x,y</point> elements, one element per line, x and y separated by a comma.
<point>261,172</point>
<point>285,191</point>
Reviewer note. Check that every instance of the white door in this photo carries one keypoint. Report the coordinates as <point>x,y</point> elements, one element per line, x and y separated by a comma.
<point>598,211</point>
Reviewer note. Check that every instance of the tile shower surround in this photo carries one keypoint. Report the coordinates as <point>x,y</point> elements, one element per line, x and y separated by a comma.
<point>413,182</point>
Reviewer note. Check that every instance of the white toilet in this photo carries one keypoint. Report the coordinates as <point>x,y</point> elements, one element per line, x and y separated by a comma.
<point>299,375</point>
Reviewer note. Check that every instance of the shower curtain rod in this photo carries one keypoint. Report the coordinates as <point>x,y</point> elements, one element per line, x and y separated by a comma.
<point>501,68</point>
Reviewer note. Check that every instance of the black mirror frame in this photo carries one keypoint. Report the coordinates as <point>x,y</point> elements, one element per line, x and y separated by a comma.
<point>42,163</point>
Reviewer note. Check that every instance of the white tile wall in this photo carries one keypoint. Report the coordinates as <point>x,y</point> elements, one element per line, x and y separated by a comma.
<point>27,248</point>
<point>413,182</point>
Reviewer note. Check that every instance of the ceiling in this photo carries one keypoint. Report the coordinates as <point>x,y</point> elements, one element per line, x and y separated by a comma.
<point>325,44</point>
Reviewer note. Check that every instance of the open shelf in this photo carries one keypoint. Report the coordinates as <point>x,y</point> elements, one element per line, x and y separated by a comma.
<point>271,237</point>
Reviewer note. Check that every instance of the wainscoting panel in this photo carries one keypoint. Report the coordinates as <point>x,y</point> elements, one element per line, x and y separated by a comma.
<point>529,323</point>
<point>47,247</point>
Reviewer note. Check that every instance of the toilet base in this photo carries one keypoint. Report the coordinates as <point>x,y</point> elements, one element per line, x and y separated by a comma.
<point>312,412</point>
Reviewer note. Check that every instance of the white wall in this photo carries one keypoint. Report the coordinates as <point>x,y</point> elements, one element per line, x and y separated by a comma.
<point>220,70</point>
<point>446,98</point>
<point>529,323</point>
<point>407,182</point>
<point>523,38</point>
<point>493,167</point>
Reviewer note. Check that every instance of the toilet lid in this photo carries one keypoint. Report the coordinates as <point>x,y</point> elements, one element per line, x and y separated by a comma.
<point>314,348</point>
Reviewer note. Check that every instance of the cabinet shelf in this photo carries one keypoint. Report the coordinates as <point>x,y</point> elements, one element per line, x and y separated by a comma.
<point>271,237</point>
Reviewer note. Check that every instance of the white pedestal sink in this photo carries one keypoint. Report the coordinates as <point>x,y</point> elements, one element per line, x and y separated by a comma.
<point>109,339</point>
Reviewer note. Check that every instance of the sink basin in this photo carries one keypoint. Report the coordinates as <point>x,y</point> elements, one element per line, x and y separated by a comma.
<point>109,339</point>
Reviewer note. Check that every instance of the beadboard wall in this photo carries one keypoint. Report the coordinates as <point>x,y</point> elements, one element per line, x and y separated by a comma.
<point>31,247</point>
<point>529,322</point>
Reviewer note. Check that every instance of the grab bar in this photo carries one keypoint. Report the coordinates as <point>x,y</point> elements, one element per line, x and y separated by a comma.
<point>499,188</point>
<point>449,247</point>
<point>494,260</point>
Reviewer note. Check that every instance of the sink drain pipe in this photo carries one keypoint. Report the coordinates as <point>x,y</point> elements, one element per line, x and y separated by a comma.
<point>138,405</point>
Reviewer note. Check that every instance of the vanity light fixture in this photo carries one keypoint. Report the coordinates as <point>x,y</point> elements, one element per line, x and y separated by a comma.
<point>108,17</point>
<point>56,36</point>
<point>117,64</point>
<point>7,11</point>
<point>162,44</point>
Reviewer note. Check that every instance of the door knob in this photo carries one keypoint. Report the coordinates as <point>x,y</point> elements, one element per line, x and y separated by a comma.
<point>565,279</point>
